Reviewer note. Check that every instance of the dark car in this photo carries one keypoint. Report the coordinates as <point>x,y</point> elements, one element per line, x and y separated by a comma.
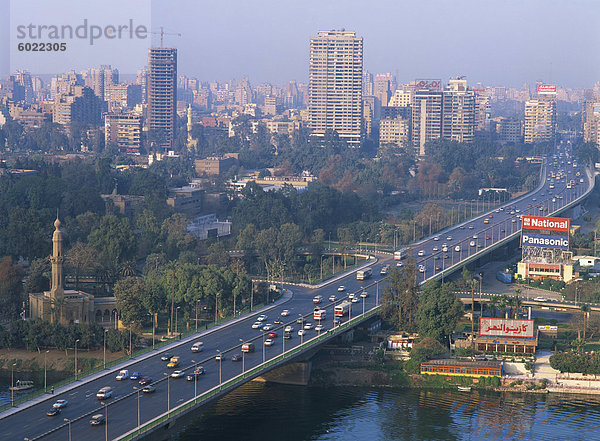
<point>236,357</point>
<point>287,336</point>
<point>166,356</point>
<point>135,376</point>
<point>145,381</point>
<point>97,420</point>
<point>53,411</point>
<point>149,389</point>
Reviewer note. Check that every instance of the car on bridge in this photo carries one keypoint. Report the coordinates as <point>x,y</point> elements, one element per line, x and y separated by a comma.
<point>149,389</point>
<point>308,326</point>
<point>220,357</point>
<point>267,327</point>
<point>135,376</point>
<point>364,294</point>
<point>421,253</point>
<point>269,342</point>
<point>166,356</point>
<point>421,270</point>
<point>272,334</point>
<point>332,298</point>
<point>145,381</point>
<point>197,347</point>
<point>540,299</point>
<point>317,299</point>
<point>261,318</point>
<point>174,362</point>
<point>341,288</point>
<point>60,404</point>
<point>177,374</point>
<point>285,313</point>
<point>122,375</point>
<point>104,393</point>
<point>97,419</point>
<point>257,325</point>
<point>247,347</point>
<point>301,332</point>
<point>288,328</point>
<point>53,411</point>
<point>319,328</point>
<point>287,336</point>
<point>236,357</point>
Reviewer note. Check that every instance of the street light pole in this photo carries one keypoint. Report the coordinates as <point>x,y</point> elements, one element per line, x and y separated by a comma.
<point>67,420</point>
<point>197,314</point>
<point>12,384</point>
<point>45,370</point>
<point>104,348</point>
<point>176,310</point>
<point>76,341</point>
<point>106,421</point>
<point>138,404</point>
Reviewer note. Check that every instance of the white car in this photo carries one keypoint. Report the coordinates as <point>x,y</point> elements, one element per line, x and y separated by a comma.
<point>457,248</point>
<point>332,298</point>
<point>257,325</point>
<point>177,374</point>
<point>364,294</point>
<point>301,332</point>
<point>351,295</point>
<point>288,328</point>
<point>472,243</point>
<point>60,404</point>
<point>319,328</point>
<point>285,313</point>
<point>354,300</point>
<point>474,236</point>
<point>261,318</point>
<point>435,249</point>
<point>421,270</point>
<point>399,265</point>
<point>540,299</point>
<point>308,326</point>
<point>269,342</point>
<point>471,227</point>
<point>449,238</point>
<point>267,327</point>
<point>123,375</point>
<point>341,288</point>
<point>436,238</point>
<point>421,253</point>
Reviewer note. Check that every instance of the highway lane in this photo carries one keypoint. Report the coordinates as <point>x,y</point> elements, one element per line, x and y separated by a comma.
<point>474,235</point>
<point>123,406</point>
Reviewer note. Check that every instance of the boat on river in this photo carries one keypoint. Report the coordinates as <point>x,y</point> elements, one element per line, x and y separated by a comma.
<point>464,388</point>
<point>21,385</point>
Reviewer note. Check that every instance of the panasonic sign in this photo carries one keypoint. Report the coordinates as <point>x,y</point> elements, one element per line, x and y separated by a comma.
<point>545,241</point>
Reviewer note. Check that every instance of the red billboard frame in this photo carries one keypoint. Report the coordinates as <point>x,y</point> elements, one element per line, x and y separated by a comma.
<point>546,89</point>
<point>527,223</point>
<point>506,326</point>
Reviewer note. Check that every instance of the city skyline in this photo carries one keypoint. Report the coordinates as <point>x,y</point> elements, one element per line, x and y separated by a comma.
<point>500,43</point>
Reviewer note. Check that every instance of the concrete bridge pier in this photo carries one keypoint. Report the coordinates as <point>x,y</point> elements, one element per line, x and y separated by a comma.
<point>297,373</point>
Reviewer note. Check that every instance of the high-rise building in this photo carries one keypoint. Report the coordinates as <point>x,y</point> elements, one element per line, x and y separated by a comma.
<point>79,105</point>
<point>335,85</point>
<point>384,86</point>
<point>482,112</point>
<point>591,121</point>
<point>540,120</point>
<point>123,130</point>
<point>162,97</point>
<point>426,118</point>
<point>367,86</point>
<point>394,131</point>
<point>101,78</point>
<point>458,112</point>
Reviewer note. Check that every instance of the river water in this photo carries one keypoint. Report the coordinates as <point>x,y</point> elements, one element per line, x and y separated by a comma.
<point>265,411</point>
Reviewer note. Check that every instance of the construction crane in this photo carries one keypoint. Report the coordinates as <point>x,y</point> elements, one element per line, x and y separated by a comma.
<point>162,33</point>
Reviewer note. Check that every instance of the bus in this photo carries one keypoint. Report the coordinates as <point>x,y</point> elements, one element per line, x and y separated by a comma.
<point>400,254</point>
<point>319,314</point>
<point>341,309</point>
<point>363,274</point>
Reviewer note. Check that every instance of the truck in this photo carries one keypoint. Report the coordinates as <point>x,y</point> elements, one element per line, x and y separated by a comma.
<point>174,362</point>
<point>342,309</point>
<point>319,314</point>
<point>504,277</point>
<point>248,347</point>
<point>123,375</point>
<point>363,274</point>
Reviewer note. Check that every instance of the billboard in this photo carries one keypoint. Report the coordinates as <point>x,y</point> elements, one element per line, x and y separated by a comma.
<point>544,241</point>
<point>499,327</point>
<point>546,223</point>
<point>546,89</point>
<point>433,85</point>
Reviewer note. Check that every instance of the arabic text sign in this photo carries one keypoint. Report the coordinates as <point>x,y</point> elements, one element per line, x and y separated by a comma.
<point>505,327</point>
<point>545,241</point>
<point>546,89</point>
<point>545,223</point>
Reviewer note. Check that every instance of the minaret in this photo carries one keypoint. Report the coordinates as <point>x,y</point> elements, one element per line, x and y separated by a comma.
<point>56,289</point>
<point>191,143</point>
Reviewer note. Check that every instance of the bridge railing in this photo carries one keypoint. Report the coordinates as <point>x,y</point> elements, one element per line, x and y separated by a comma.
<point>241,378</point>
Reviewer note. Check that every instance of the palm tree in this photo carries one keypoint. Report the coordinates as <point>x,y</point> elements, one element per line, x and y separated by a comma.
<point>494,304</point>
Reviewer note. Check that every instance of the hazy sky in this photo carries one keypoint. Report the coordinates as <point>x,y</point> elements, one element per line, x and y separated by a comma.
<point>508,42</point>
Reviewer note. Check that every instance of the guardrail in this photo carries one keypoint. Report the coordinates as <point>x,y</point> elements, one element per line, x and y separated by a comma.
<point>242,378</point>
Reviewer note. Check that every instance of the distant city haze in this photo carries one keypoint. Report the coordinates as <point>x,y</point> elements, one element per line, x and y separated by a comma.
<point>508,42</point>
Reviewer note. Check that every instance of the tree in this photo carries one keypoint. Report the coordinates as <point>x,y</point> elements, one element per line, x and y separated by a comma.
<point>114,240</point>
<point>81,259</point>
<point>130,293</point>
<point>400,297</point>
<point>38,277</point>
<point>585,309</point>
<point>217,255</point>
<point>11,288</point>
<point>439,311</point>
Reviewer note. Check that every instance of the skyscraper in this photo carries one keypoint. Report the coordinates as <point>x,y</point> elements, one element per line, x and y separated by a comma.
<point>335,85</point>
<point>162,97</point>
<point>540,120</point>
<point>458,120</point>
<point>426,118</point>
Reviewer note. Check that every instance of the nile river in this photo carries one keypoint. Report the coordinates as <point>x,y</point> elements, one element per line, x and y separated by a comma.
<point>259,411</point>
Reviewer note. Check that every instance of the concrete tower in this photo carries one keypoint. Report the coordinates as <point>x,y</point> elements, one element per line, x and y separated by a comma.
<point>56,290</point>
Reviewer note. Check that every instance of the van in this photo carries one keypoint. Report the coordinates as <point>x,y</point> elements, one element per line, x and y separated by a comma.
<point>105,392</point>
<point>123,375</point>
<point>198,347</point>
<point>248,347</point>
<point>174,362</point>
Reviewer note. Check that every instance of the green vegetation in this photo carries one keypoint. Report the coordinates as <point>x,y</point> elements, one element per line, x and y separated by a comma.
<point>576,362</point>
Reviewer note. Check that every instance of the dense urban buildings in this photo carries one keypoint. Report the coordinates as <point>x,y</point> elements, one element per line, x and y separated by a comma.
<point>458,120</point>
<point>335,85</point>
<point>426,118</point>
<point>162,97</point>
